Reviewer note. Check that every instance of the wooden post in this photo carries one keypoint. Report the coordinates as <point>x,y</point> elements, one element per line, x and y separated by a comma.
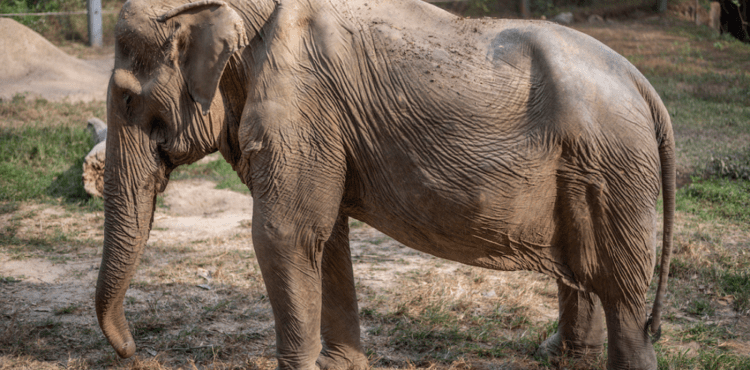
<point>95,22</point>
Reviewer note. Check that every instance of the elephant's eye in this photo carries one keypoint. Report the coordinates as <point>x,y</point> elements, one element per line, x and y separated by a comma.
<point>127,98</point>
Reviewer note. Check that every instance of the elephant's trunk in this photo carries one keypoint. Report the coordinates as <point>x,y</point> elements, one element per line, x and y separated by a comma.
<point>132,178</point>
<point>123,246</point>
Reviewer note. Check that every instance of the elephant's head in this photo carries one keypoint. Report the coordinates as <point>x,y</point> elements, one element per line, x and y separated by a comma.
<point>164,110</point>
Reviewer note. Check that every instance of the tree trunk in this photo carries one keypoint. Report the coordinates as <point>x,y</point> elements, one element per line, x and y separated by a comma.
<point>714,18</point>
<point>661,6</point>
<point>734,19</point>
<point>525,12</point>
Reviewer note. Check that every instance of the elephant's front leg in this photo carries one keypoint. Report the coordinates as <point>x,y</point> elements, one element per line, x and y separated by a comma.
<point>290,258</point>
<point>340,316</point>
<point>296,200</point>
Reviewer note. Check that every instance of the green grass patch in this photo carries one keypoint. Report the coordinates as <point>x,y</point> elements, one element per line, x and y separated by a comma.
<point>708,356</point>
<point>8,207</point>
<point>355,224</point>
<point>705,86</point>
<point>218,171</point>
<point>9,279</point>
<point>67,310</point>
<point>732,48</point>
<point>735,166</point>
<point>701,307</point>
<point>671,360</point>
<point>737,284</point>
<point>36,161</point>
<point>683,269</point>
<point>710,114</point>
<point>712,359</point>
<point>727,276</point>
<point>42,146</point>
<point>716,198</point>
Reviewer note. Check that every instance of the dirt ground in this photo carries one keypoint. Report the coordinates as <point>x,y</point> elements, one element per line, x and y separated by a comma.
<point>198,298</point>
<point>31,65</point>
<point>200,257</point>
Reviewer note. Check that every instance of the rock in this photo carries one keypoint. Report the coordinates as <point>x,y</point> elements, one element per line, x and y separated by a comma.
<point>595,18</point>
<point>98,130</point>
<point>563,18</point>
<point>93,163</point>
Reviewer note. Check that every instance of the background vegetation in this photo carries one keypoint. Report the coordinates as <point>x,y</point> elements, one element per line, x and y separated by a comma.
<point>62,29</point>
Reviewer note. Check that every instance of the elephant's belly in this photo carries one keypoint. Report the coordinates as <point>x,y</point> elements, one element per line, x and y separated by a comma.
<point>501,240</point>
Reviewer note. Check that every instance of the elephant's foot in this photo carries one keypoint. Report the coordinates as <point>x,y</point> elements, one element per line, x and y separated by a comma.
<point>623,355</point>
<point>551,348</point>
<point>629,346</point>
<point>580,332</point>
<point>554,349</point>
<point>330,360</point>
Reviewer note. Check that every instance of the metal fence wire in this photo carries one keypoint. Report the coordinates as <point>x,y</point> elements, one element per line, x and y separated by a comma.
<point>78,12</point>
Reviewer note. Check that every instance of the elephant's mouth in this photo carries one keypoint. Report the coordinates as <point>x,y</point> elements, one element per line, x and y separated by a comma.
<point>161,177</point>
<point>162,181</point>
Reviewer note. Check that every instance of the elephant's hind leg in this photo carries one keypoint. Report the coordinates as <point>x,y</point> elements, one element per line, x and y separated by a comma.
<point>627,250</point>
<point>607,219</point>
<point>580,332</point>
<point>340,315</point>
<point>629,345</point>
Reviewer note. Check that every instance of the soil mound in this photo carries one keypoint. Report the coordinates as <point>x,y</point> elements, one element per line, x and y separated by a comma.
<point>31,64</point>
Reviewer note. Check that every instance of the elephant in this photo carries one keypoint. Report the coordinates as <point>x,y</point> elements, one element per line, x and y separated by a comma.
<point>504,144</point>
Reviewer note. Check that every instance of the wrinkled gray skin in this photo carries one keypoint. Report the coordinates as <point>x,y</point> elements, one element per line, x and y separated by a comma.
<point>511,145</point>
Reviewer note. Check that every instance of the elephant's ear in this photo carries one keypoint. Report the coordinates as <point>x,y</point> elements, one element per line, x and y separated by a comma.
<point>207,33</point>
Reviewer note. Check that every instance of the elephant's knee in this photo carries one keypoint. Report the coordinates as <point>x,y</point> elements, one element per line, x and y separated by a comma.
<point>283,232</point>
<point>274,232</point>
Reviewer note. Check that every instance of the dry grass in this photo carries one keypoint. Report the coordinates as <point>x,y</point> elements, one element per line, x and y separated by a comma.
<point>417,311</point>
<point>201,302</point>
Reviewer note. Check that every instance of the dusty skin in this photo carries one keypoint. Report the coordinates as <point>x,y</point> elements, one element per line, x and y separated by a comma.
<point>508,145</point>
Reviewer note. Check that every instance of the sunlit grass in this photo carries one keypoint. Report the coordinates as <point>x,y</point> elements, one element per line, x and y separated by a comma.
<point>42,146</point>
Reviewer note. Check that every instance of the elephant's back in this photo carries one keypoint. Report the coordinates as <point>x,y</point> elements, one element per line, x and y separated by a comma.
<point>584,88</point>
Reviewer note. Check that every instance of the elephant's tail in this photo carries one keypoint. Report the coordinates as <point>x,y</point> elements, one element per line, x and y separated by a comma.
<point>665,138</point>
